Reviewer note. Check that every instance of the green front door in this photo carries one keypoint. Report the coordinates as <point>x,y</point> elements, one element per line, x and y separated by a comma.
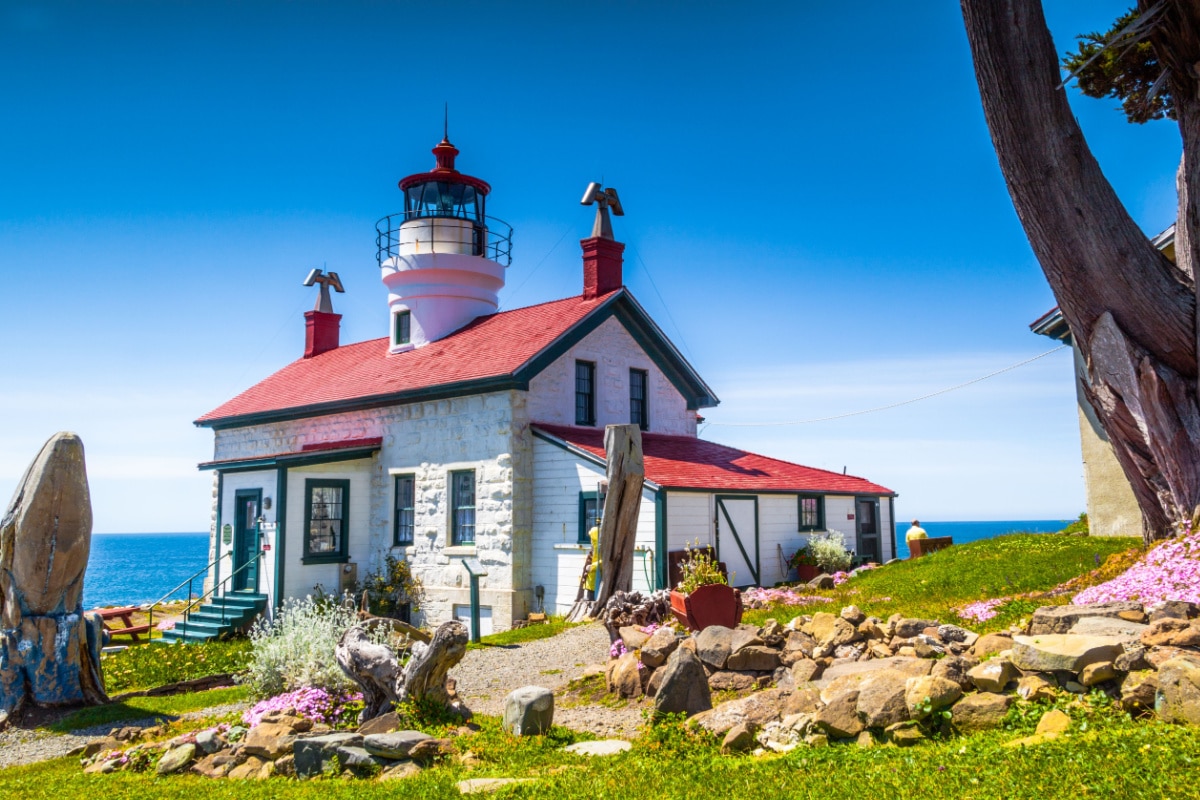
<point>246,539</point>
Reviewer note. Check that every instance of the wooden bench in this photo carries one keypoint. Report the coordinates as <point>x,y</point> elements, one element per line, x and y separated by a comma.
<point>921,547</point>
<point>125,615</point>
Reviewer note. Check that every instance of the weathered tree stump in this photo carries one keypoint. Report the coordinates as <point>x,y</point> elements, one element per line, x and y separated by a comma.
<point>48,655</point>
<point>618,523</point>
<point>385,681</point>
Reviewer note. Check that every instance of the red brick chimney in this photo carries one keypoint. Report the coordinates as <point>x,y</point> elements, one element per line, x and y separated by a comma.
<point>321,332</point>
<point>601,265</point>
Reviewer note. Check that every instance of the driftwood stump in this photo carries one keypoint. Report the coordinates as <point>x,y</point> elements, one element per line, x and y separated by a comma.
<point>384,681</point>
<point>49,654</point>
<point>618,524</point>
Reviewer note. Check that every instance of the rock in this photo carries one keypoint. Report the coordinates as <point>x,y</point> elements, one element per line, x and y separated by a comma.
<point>1157,656</point>
<point>926,695</point>
<point>1094,674</point>
<point>831,631</point>
<point>655,681</point>
<point>772,633</point>
<point>1074,687</point>
<point>991,643</point>
<point>359,761</point>
<point>394,745</point>
<point>907,628</point>
<point>744,636</point>
<point>757,709</point>
<point>1177,609</point>
<point>1053,722</point>
<point>176,759</point>
<point>782,678</point>
<point>822,582</point>
<point>315,754</point>
<point>684,687</point>
<point>727,681</point>
<point>739,739</point>
<point>980,711</point>
<point>993,675</point>
<point>805,670</point>
<point>477,785</point>
<point>1060,619</point>
<point>954,668</point>
<point>853,615</point>
<point>925,648</point>
<point>801,700</point>
<point>429,749</point>
<point>1132,660</point>
<point>659,647</point>
<point>297,723</point>
<point>904,734</point>
<point>881,700</point>
<point>954,633</point>
<point>1139,691</point>
<point>1171,632</point>
<point>529,711</point>
<point>909,666</point>
<point>250,769</point>
<point>1178,697</point>
<point>839,719</point>
<point>208,768</point>
<point>384,723</point>
<point>1109,626</point>
<point>404,769</point>
<point>286,766</point>
<point>269,740</point>
<point>1052,652</point>
<point>1036,688</point>
<point>602,747</point>
<point>713,645</point>
<point>759,658</point>
<point>633,637</point>
<point>797,645</point>
<point>625,676</point>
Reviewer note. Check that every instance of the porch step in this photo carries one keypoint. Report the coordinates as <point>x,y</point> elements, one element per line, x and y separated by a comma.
<point>216,618</point>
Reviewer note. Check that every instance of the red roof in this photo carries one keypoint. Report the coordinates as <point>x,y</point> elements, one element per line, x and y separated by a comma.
<point>493,346</point>
<point>685,462</point>
<point>345,446</point>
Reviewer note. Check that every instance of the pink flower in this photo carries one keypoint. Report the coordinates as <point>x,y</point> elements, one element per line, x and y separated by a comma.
<point>310,702</point>
<point>1170,571</point>
<point>617,649</point>
<point>981,610</point>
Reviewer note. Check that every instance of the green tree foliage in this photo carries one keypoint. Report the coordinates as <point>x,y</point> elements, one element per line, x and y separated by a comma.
<point>1121,63</point>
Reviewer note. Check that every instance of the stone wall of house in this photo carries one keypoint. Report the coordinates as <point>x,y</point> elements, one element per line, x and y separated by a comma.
<point>614,352</point>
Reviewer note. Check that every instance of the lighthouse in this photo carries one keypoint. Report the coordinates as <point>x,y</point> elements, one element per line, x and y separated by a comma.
<point>442,258</point>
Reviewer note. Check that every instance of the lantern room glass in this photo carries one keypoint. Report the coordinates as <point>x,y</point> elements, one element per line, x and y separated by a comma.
<point>443,199</point>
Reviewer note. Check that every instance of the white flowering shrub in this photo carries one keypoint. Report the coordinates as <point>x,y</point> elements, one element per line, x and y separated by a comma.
<point>296,649</point>
<point>829,551</point>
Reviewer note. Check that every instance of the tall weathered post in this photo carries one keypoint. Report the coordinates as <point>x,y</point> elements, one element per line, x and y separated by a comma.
<point>49,654</point>
<point>618,525</point>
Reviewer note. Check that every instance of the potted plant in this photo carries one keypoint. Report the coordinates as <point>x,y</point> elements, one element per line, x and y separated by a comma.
<point>805,564</point>
<point>704,596</point>
<point>829,552</point>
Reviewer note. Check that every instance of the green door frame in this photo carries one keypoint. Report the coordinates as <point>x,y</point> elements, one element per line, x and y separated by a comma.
<point>246,540</point>
<point>754,565</point>
<point>858,529</point>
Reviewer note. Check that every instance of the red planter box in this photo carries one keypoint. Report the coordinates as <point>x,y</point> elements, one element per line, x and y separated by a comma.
<point>714,604</point>
<point>807,573</point>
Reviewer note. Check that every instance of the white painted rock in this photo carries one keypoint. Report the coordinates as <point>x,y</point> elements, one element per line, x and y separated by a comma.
<point>603,747</point>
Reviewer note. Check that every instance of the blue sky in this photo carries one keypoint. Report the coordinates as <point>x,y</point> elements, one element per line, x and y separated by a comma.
<point>814,214</point>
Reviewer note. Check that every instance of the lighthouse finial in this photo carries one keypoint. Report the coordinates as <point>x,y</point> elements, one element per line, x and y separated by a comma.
<point>446,122</point>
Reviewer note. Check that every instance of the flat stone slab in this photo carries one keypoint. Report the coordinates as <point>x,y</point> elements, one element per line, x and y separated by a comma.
<point>1063,651</point>
<point>478,785</point>
<point>911,667</point>
<point>603,747</point>
<point>394,745</point>
<point>1109,626</point>
<point>1060,619</point>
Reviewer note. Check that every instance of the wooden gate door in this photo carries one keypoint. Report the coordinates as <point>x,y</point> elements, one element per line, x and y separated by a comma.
<point>867,515</point>
<point>246,539</point>
<point>737,538</point>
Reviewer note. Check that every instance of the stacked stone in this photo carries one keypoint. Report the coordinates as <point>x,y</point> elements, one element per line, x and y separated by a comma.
<point>281,744</point>
<point>848,676</point>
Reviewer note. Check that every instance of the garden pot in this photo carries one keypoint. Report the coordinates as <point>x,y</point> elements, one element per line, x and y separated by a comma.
<point>714,604</point>
<point>806,573</point>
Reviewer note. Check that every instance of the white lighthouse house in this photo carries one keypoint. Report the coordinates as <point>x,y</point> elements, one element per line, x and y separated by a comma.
<point>442,258</point>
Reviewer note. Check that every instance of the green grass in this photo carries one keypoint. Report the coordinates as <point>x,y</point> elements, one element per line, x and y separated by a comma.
<point>933,586</point>
<point>551,627</point>
<point>1112,757</point>
<point>145,707</point>
<point>150,665</point>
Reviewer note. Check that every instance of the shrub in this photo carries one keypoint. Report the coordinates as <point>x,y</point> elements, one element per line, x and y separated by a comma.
<point>393,588</point>
<point>828,550</point>
<point>296,649</point>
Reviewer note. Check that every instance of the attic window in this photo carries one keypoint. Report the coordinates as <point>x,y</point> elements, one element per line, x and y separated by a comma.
<point>812,512</point>
<point>585,393</point>
<point>402,328</point>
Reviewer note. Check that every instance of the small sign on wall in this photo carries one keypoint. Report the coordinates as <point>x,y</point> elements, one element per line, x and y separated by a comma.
<point>850,516</point>
<point>227,533</point>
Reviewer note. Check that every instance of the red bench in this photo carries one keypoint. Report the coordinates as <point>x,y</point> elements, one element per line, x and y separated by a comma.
<point>921,547</point>
<point>125,615</point>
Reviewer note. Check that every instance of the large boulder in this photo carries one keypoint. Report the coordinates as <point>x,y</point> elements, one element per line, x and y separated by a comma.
<point>1171,632</point>
<point>269,740</point>
<point>757,710</point>
<point>1178,698</point>
<point>625,676</point>
<point>991,643</point>
<point>928,694</point>
<point>759,658</point>
<point>684,687</point>
<point>993,675</point>
<point>1060,619</point>
<point>713,645</point>
<point>839,719</point>
<point>906,665</point>
<point>832,631</point>
<point>881,700</point>
<point>394,745</point>
<point>955,668</point>
<point>1062,652</point>
<point>315,755</point>
<point>529,711</point>
<point>980,711</point>
<point>658,647</point>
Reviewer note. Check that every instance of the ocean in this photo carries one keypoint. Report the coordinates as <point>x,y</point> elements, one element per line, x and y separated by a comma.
<point>964,532</point>
<point>127,569</point>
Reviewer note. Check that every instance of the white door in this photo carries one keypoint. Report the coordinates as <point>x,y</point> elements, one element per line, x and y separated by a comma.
<point>737,538</point>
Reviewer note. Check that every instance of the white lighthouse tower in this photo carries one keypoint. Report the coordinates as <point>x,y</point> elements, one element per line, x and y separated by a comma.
<point>442,258</point>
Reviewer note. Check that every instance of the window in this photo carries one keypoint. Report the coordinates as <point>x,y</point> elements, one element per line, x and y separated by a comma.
<point>585,393</point>
<point>402,327</point>
<point>462,507</point>
<point>326,520</point>
<point>637,399</point>
<point>589,515</point>
<point>812,512</point>
<point>405,492</point>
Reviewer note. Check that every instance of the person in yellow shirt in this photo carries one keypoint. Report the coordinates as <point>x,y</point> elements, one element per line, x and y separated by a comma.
<point>915,532</point>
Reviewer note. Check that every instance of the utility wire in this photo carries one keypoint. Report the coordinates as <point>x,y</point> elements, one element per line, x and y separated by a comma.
<point>566,230</point>
<point>637,252</point>
<point>892,405</point>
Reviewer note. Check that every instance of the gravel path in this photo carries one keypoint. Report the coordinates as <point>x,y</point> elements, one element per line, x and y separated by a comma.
<point>25,745</point>
<point>485,676</point>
